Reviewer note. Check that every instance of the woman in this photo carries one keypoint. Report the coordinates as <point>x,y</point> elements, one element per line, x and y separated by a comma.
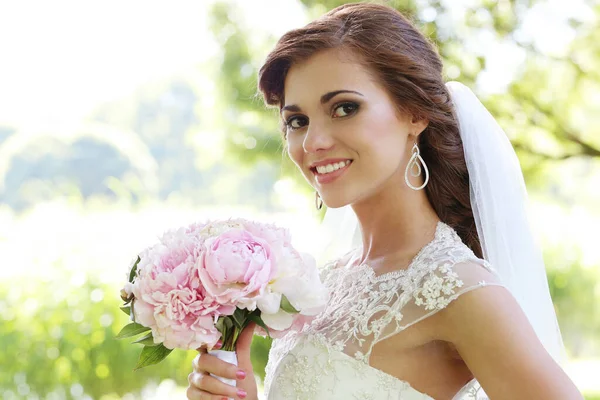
<point>416,312</point>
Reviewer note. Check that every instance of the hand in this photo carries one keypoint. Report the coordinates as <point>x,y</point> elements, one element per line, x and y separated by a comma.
<point>202,386</point>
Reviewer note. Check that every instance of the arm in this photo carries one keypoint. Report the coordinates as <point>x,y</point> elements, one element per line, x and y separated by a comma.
<point>495,339</point>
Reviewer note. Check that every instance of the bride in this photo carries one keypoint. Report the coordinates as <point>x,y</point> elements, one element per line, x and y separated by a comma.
<point>440,291</point>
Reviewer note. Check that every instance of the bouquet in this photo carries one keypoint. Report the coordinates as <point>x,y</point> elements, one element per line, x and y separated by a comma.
<point>208,281</point>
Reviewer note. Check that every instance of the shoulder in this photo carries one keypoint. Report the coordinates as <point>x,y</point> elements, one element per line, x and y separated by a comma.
<point>480,300</point>
<point>481,303</point>
<point>446,280</point>
<point>493,336</point>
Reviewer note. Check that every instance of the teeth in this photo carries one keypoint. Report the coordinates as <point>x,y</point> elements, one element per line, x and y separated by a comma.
<point>326,169</point>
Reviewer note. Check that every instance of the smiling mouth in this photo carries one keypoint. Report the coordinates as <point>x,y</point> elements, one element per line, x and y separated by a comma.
<point>316,172</point>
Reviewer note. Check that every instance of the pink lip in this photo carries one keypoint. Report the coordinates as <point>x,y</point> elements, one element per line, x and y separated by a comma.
<point>327,178</point>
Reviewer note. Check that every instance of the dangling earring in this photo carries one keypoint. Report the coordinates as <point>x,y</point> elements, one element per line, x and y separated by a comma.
<point>318,201</point>
<point>414,163</point>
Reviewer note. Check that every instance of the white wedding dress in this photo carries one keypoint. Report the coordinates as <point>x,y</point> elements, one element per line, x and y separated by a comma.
<point>329,358</point>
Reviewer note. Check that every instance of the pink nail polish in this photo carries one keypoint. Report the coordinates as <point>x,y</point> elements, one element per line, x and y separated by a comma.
<point>241,394</point>
<point>218,345</point>
<point>240,374</point>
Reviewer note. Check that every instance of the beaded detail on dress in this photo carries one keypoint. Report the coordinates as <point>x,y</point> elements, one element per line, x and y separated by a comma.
<point>329,358</point>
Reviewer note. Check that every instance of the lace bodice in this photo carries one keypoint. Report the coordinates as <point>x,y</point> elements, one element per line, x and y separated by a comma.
<point>329,358</point>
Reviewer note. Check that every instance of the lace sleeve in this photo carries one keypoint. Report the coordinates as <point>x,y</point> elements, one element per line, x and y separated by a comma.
<point>435,290</point>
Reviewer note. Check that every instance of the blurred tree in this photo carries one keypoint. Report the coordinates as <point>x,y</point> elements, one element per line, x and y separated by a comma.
<point>161,114</point>
<point>171,119</point>
<point>244,112</point>
<point>575,290</point>
<point>37,167</point>
<point>5,132</point>
<point>134,149</point>
<point>549,109</point>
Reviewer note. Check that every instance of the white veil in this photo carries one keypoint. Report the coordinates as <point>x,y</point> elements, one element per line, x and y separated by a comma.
<point>499,202</point>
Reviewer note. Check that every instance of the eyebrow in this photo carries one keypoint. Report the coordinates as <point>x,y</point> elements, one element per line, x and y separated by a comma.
<point>324,99</point>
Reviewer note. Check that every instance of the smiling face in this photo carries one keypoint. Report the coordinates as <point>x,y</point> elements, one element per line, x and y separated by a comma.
<point>337,113</point>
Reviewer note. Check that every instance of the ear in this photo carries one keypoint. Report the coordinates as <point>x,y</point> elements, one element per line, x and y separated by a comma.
<point>418,124</point>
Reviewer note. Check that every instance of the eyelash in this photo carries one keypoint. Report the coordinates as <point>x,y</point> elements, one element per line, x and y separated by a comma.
<point>288,122</point>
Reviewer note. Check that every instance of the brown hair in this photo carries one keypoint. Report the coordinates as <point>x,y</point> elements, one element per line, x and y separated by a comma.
<point>410,68</point>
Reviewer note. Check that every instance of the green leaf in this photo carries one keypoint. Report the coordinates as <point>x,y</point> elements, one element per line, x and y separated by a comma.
<point>134,270</point>
<point>239,317</point>
<point>126,310</point>
<point>131,330</point>
<point>287,306</point>
<point>258,320</point>
<point>151,355</point>
<point>220,324</point>
<point>147,340</point>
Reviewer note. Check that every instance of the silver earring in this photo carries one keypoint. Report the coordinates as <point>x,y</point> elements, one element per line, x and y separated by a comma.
<point>318,201</point>
<point>413,163</point>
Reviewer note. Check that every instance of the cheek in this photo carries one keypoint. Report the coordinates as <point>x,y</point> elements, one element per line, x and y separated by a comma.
<point>387,130</point>
<point>382,144</point>
<point>384,123</point>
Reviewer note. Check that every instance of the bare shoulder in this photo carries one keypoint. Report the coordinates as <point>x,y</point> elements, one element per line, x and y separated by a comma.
<point>493,336</point>
<point>489,308</point>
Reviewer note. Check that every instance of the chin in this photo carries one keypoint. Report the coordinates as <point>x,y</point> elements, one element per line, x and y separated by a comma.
<point>336,198</point>
<point>338,203</point>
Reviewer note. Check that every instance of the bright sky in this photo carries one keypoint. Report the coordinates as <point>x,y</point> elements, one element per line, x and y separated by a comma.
<point>59,59</point>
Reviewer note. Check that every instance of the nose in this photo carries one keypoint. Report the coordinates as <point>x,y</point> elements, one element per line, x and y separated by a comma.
<point>317,137</point>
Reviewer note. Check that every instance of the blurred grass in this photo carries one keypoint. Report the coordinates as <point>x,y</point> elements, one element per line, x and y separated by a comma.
<point>58,339</point>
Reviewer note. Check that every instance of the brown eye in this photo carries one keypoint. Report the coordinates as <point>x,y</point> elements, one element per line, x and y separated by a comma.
<point>296,122</point>
<point>344,109</point>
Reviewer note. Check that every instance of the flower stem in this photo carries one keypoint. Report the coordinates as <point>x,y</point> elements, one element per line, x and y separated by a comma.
<point>230,340</point>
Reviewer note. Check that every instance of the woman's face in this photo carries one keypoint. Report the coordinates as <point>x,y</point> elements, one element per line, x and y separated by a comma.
<point>336,114</point>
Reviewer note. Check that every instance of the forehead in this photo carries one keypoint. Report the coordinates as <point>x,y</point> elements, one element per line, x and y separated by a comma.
<point>323,72</point>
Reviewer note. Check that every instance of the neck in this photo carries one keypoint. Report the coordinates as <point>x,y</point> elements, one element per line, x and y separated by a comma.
<point>395,222</point>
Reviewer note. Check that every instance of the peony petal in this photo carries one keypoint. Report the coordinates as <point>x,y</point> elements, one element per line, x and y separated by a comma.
<point>269,302</point>
<point>278,321</point>
<point>143,313</point>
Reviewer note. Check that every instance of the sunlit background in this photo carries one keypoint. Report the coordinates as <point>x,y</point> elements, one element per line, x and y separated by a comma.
<point>119,120</point>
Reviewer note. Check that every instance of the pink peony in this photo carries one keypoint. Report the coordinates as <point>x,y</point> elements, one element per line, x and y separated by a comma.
<point>276,236</point>
<point>236,267</point>
<point>169,298</point>
<point>201,272</point>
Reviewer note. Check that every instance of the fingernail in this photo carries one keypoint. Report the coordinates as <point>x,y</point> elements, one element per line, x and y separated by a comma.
<point>218,345</point>
<point>241,394</point>
<point>240,374</point>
